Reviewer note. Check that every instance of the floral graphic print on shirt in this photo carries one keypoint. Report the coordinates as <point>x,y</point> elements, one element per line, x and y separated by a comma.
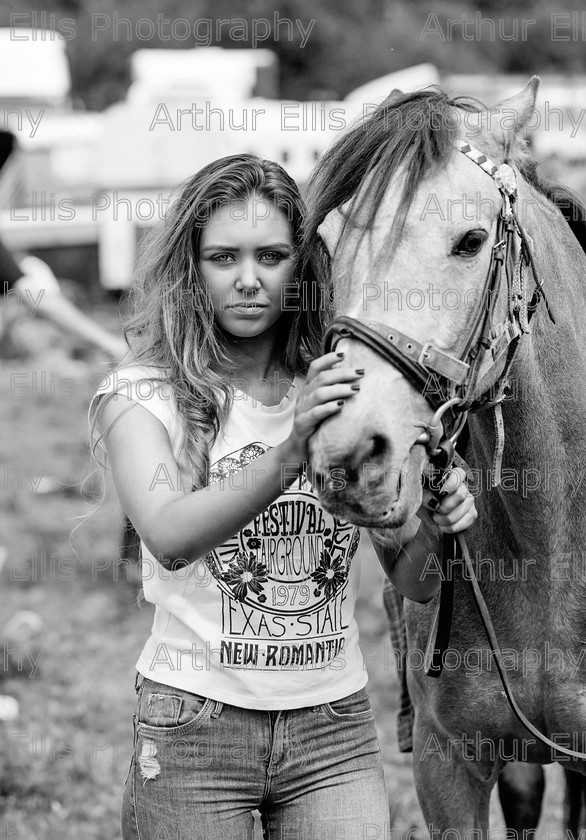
<point>282,578</point>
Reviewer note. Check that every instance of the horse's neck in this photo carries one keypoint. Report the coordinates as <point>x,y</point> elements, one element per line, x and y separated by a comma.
<point>538,511</point>
<point>534,477</point>
<point>540,506</point>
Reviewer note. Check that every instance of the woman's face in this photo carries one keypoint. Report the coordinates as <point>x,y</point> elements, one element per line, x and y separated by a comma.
<point>246,259</point>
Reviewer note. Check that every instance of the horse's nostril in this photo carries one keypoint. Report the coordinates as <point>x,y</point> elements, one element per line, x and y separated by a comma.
<point>378,446</point>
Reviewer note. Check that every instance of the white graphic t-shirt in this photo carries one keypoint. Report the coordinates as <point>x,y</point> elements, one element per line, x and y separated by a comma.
<point>266,620</point>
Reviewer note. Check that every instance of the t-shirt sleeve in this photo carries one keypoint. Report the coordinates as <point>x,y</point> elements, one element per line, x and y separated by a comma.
<point>144,386</point>
<point>148,387</point>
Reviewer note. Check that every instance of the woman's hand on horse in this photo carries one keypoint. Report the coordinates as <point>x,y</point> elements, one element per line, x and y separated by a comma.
<point>324,393</point>
<point>457,510</point>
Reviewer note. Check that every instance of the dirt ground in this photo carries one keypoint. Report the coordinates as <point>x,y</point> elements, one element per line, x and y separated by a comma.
<point>68,659</point>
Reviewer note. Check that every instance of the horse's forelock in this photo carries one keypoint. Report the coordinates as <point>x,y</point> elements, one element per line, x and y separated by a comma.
<point>415,131</point>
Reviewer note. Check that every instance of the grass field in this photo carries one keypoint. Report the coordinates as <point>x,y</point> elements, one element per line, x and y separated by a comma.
<point>70,663</point>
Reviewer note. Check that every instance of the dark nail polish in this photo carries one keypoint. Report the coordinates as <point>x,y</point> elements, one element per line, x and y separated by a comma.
<point>340,355</point>
<point>355,387</point>
<point>340,402</point>
<point>432,504</point>
<point>443,493</point>
<point>359,370</point>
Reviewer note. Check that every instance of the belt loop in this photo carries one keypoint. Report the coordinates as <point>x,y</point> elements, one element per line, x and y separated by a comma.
<point>217,710</point>
<point>138,681</point>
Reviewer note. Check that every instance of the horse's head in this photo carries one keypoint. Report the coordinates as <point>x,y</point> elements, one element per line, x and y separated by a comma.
<point>409,224</point>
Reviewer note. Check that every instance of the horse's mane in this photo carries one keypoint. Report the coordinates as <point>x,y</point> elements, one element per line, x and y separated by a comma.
<point>415,130</point>
<point>568,203</point>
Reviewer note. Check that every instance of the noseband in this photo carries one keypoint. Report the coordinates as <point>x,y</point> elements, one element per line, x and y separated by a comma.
<point>454,385</point>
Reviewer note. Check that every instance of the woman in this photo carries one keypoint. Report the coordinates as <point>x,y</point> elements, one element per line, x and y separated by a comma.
<point>251,686</point>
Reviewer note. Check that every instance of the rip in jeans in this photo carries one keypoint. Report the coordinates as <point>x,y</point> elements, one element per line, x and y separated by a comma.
<point>149,766</point>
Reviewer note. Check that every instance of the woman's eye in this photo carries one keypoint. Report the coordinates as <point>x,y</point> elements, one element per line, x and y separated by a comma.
<point>272,256</point>
<point>470,243</point>
<point>221,258</point>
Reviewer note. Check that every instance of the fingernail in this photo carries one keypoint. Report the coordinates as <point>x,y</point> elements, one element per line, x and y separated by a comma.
<point>432,504</point>
<point>340,355</point>
<point>443,494</point>
<point>355,387</point>
<point>359,370</point>
<point>340,402</point>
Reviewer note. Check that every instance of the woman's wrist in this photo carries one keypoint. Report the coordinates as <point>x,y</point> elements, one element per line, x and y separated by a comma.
<point>293,459</point>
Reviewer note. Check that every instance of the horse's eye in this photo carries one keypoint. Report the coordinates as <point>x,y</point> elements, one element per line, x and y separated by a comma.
<point>470,243</point>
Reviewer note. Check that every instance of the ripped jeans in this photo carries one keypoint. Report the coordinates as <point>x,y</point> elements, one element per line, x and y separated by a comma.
<point>200,767</point>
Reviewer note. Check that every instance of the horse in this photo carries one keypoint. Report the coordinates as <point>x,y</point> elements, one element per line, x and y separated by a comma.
<point>457,279</point>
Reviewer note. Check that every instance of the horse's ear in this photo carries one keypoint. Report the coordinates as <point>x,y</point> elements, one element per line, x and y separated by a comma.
<point>393,95</point>
<point>331,227</point>
<point>509,118</point>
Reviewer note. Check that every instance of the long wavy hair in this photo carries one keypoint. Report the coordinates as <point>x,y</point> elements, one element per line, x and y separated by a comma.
<point>172,326</point>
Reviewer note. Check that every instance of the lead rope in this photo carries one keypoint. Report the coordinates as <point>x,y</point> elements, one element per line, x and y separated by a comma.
<point>496,652</point>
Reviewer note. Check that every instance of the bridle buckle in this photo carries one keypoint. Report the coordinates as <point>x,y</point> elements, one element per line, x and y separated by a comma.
<point>424,354</point>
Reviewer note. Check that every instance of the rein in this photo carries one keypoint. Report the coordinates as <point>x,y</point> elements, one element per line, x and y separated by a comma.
<point>455,385</point>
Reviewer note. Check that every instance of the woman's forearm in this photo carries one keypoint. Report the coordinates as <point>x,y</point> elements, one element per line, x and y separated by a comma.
<point>408,559</point>
<point>190,526</point>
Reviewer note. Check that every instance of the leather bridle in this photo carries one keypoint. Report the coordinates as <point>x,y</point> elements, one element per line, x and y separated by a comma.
<point>455,384</point>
